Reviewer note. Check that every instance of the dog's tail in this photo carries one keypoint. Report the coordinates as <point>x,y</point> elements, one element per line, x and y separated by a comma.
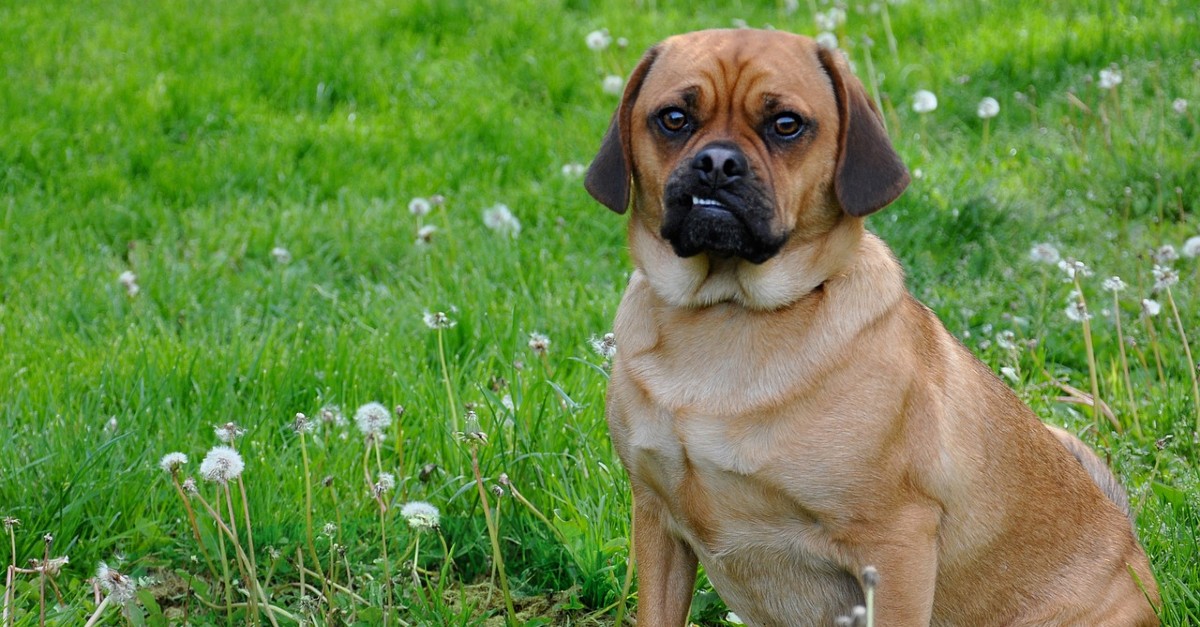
<point>1096,468</point>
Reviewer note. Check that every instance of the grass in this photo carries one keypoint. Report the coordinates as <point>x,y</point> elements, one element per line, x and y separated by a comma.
<point>183,141</point>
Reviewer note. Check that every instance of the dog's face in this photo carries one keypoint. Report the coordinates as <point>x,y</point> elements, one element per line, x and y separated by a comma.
<point>741,146</point>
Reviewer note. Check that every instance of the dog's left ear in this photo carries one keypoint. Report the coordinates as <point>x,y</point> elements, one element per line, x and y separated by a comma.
<point>869,174</point>
<point>608,178</point>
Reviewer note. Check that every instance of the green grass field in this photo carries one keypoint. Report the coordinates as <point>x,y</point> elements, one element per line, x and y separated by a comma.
<point>185,141</point>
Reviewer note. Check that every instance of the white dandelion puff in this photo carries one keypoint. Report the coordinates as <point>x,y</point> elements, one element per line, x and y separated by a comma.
<point>605,346</point>
<point>438,320</point>
<point>1077,311</point>
<point>281,255</point>
<point>1113,284</point>
<point>1151,308</point>
<point>1044,253</point>
<point>573,170</point>
<point>1191,247</point>
<point>420,207</point>
<point>500,218</point>
<point>539,343</point>
<point>924,101</point>
<point>420,515</point>
<point>172,462</point>
<point>222,464</point>
<point>1179,105</point>
<point>598,40</point>
<point>425,235</point>
<point>1165,277</point>
<point>228,432</point>
<point>119,588</point>
<point>613,85</point>
<point>372,419</point>
<point>1110,77</point>
<point>988,108</point>
<point>827,40</point>
<point>129,280</point>
<point>1073,268</point>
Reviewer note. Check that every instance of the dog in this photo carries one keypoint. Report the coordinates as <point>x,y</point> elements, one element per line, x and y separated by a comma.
<point>787,412</point>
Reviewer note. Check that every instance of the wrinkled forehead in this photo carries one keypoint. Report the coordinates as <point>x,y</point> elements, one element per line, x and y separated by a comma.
<point>757,70</point>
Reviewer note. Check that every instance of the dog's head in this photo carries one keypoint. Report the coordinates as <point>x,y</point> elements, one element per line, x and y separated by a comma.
<point>740,149</point>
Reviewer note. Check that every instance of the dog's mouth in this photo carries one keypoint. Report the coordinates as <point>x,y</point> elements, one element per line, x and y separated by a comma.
<point>734,221</point>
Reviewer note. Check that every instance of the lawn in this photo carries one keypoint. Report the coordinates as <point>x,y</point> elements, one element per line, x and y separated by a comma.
<point>235,212</point>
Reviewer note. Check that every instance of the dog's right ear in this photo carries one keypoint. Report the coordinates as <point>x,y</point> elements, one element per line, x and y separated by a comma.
<point>608,178</point>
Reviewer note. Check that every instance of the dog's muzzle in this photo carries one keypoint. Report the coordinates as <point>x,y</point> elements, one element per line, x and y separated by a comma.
<point>715,204</point>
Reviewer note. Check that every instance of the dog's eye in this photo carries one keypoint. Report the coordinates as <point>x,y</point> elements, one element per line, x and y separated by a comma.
<point>787,125</point>
<point>673,120</point>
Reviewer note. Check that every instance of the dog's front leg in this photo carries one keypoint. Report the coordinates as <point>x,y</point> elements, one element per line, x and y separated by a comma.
<point>906,558</point>
<point>666,565</point>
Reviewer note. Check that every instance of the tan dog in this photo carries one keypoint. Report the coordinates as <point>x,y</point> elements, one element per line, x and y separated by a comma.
<point>787,412</point>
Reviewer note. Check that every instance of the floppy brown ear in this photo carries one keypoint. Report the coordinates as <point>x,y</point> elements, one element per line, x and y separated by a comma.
<point>608,178</point>
<point>869,172</point>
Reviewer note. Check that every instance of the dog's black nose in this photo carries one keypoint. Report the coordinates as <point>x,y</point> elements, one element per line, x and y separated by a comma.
<point>720,165</point>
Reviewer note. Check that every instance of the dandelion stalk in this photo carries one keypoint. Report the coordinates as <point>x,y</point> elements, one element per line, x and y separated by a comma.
<point>302,426</point>
<point>1116,285</point>
<point>475,438</point>
<point>247,564</point>
<point>887,29</point>
<point>446,380</point>
<point>1187,351</point>
<point>9,524</point>
<point>244,561</point>
<point>47,540</point>
<point>1093,378</point>
<point>99,611</point>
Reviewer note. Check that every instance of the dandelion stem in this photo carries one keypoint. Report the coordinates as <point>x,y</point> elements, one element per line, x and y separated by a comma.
<point>887,29</point>
<point>308,505</point>
<point>191,514</point>
<point>1137,423</point>
<point>1091,357</point>
<point>241,555</point>
<point>1158,362</point>
<point>1187,351</point>
<point>494,534</point>
<point>446,379</point>
<point>99,610</point>
<point>246,565</point>
<point>42,583</point>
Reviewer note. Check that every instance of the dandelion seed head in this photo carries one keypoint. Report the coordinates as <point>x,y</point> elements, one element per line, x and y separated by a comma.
<point>172,462</point>
<point>1151,308</point>
<point>372,418</point>
<point>1077,311</point>
<point>539,343</point>
<point>281,255</point>
<point>1179,105</point>
<point>598,40</point>
<point>1165,255</point>
<point>420,515</point>
<point>129,281</point>
<point>420,207</point>
<point>1074,267</point>
<point>613,85</point>
<point>1010,373</point>
<point>500,219</point>
<point>1191,248</point>
<point>438,320</point>
<point>988,108</point>
<point>605,346</point>
<point>1110,77</point>
<point>924,101</point>
<point>118,587</point>
<point>1006,340</point>
<point>301,424</point>
<point>870,577</point>
<point>329,530</point>
<point>222,464</point>
<point>189,486</point>
<point>573,170</point>
<point>425,234</point>
<point>228,432</point>
<point>1044,253</point>
<point>10,522</point>
<point>1113,284</point>
<point>1165,277</point>
<point>827,40</point>
<point>385,483</point>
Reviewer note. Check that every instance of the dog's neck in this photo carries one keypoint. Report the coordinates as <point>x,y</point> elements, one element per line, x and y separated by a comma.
<point>703,280</point>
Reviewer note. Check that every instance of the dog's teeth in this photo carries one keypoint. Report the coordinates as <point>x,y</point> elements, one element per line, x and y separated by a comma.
<point>696,200</point>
